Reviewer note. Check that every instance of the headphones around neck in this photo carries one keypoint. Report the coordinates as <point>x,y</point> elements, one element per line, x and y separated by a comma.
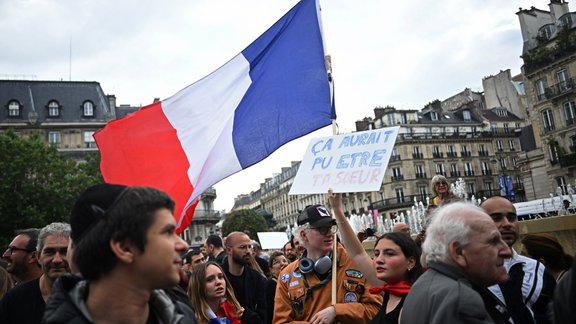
<point>320,266</point>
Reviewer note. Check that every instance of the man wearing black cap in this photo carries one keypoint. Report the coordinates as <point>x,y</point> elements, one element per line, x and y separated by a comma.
<point>127,250</point>
<point>303,292</point>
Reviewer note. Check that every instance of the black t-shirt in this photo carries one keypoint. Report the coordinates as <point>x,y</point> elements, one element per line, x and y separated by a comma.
<point>23,304</point>
<point>237,283</point>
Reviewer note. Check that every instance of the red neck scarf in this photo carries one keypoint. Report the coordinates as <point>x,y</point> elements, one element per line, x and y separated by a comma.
<point>399,289</point>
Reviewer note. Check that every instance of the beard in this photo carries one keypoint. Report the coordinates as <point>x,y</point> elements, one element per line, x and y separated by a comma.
<point>241,260</point>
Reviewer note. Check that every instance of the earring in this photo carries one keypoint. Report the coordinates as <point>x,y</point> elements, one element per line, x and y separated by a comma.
<point>409,268</point>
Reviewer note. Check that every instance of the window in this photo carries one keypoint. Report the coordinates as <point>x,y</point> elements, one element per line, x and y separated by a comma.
<point>540,89</point>
<point>506,128</point>
<point>466,115</point>
<point>399,195</point>
<point>567,20</point>
<point>501,112</point>
<point>403,118</point>
<point>440,168</point>
<point>53,109</point>
<point>486,168</point>
<point>546,31</point>
<point>436,151</point>
<point>423,192</point>
<point>570,112</point>
<point>433,115</point>
<point>54,139</point>
<point>88,109</point>
<point>396,174</point>
<point>562,78</point>
<point>89,139</point>
<point>511,145</point>
<point>573,143</point>
<point>391,119</point>
<point>488,186</point>
<point>515,161</point>
<point>454,170</point>
<point>482,150</point>
<point>451,152</point>
<point>499,146</point>
<point>464,150</point>
<point>548,120</point>
<point>14,109</point>
<point>503,163</point>
<point>471,188</point>
<point>468,169</point>
<point>553,153</point>
<point>416,154</point>
<point>420,173</point>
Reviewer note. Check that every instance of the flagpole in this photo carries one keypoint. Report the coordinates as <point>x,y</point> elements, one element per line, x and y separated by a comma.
<point>328,62</point>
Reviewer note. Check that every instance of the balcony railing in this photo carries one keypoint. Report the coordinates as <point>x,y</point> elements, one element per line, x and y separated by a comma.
<point>452,154</point>
<point>421,175</point>
<point>468,173</point>
<point>454,173</point>
<point>397,177</point>
<point>486,172</point>
<point>396,202</point>
<point>437,155</point>
<point>558,89</point>
<point>417,156</point>
<point>395,158</point>
<point>567,160</point>
<point>483,153</point>
<point>466,154</point>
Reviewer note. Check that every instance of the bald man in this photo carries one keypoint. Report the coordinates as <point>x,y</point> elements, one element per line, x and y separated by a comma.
<point>528,293</point>
<point>401,227</point>
<point>246,282</point>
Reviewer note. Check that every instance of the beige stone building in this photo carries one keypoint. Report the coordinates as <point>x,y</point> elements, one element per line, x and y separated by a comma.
<point>549,55</point>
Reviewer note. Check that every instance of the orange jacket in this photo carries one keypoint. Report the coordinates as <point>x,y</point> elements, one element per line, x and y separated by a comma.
<point>354,303</point>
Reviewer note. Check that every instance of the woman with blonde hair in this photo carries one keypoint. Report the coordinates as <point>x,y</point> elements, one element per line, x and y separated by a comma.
<point>212,296</point>
<point>442,192</point>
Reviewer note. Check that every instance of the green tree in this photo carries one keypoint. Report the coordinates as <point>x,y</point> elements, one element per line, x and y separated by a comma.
<point>38,185</point>
<point>244,220</point>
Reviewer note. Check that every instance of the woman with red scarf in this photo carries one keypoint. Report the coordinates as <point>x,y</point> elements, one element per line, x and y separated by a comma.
<point>396,264</point>
<point>212,296</point>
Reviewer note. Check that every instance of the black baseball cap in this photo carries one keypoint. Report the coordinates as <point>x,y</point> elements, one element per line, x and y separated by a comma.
<point>317,216</point>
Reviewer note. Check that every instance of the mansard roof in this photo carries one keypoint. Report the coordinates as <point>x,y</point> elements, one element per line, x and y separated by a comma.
<point>34,96</point>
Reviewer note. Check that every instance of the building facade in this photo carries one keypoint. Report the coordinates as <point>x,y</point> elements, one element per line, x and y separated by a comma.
<point>549,55</point>
<point>64,114</point>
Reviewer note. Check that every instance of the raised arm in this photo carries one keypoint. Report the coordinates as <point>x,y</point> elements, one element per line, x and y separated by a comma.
<point>350,241</point>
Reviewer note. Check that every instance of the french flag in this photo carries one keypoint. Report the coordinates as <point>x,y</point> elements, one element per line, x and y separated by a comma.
<point>276,90</point>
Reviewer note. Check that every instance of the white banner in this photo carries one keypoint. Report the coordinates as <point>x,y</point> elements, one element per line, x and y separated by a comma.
<point>346,163</point>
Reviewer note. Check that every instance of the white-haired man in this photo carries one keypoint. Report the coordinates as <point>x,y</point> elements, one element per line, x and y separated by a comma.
<point>465,254</point>
<point>26,303</point>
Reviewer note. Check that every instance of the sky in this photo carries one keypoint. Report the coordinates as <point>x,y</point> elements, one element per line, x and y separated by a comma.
<point>398,53</point>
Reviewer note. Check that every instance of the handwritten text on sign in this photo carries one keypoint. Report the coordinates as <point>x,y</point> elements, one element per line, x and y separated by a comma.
<point>346,163</point>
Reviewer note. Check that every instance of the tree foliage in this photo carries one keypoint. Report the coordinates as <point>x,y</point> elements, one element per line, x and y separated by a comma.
<point>38,185</point>
<point>244,220</point>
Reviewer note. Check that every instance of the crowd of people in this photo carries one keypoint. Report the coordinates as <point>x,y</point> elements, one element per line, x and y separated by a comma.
<point>120,260</point>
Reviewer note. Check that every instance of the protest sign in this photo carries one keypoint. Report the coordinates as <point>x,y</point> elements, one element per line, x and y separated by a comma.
<point>272,240</point>
<point>353,162</point>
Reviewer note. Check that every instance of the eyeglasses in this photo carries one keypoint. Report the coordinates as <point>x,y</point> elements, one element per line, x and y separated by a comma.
<point>441,183</point>
<point>244,247</point>
<point>11,249</point>
<point>326,229</point>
